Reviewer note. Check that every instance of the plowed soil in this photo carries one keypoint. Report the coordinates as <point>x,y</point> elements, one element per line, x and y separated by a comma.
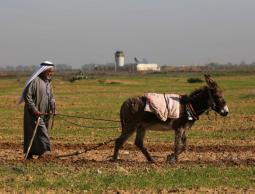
<point>131,157</point>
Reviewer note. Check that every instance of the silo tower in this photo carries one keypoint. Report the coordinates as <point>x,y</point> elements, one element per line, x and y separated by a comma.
<point>119,59</point>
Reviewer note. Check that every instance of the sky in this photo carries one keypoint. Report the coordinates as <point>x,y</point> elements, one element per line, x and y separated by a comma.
<point>167,32</point>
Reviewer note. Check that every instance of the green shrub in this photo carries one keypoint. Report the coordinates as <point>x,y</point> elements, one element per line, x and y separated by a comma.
<point>194,80</point>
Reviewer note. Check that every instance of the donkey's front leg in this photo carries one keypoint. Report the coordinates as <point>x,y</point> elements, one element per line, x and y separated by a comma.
<point>179,145</point>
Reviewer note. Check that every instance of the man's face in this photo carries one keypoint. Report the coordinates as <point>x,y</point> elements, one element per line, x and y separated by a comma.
<point>49,73</point>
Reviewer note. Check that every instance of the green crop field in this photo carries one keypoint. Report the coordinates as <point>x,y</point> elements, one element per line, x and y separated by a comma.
<point>220,156</point>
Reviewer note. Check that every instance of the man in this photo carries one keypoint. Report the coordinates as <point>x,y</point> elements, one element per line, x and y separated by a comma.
<point>39,102</point>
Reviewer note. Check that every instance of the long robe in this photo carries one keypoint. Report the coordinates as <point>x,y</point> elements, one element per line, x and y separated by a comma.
<point>38,96</point>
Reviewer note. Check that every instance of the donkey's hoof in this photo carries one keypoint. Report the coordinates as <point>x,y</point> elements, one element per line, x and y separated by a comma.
<point>113,159</point>
<point>172,159</point>
<point>152,161</point>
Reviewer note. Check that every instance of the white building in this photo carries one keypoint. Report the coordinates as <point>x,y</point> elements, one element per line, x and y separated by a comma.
<point>147,67</point>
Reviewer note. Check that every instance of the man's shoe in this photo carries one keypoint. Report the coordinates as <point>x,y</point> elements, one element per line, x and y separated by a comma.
<point>29,156</point>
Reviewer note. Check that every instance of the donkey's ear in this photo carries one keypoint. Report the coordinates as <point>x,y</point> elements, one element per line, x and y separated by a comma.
<point>212,84</point>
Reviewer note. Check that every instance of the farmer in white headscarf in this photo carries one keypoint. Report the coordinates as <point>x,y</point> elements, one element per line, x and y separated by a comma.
<point>39,102</point>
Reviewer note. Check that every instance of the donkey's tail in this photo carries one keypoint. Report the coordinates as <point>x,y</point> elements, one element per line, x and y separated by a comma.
<point>131,111</point>
<point>122,116</point>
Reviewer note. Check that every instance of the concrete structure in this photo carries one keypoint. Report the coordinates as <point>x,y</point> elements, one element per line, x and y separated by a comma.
<point>119,59</point>
<point>147,67</point>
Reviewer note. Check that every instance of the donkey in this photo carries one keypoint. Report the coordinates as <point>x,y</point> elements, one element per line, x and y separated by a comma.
<point>134,118</point>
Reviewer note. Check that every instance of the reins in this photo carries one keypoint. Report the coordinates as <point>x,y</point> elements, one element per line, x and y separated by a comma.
<point>212,106</point>
<point>88,118</point>
<point>62,116</point>
<point>85,126</point>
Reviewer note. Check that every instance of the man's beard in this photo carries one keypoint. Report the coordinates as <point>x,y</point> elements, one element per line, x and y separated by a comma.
<point>46,77</point>
<point>49,77</point>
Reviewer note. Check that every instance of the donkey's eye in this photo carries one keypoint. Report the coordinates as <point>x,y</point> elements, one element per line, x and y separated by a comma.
<point>221,100</point>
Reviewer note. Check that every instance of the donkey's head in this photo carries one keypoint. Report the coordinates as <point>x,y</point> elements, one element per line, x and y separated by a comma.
<point>216,100</point>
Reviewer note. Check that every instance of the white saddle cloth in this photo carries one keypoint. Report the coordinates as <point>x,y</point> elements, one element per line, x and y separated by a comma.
<point>164,106</point>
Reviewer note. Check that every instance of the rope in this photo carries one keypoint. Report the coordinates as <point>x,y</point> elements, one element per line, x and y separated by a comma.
<point>85,150</point>
<point>89,118</point>
<point>84,126</point>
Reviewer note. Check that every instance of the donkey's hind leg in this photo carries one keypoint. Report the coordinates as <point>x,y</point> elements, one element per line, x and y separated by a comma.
<point>125,134</point>
<point>139,143</point>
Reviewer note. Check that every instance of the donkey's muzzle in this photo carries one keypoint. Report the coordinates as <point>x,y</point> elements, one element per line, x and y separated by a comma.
<point>224,112</point>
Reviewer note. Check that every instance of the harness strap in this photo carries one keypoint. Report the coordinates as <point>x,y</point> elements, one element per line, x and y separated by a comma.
<point>167,108</point>
<point>211,99</point>
<point>191,111</point>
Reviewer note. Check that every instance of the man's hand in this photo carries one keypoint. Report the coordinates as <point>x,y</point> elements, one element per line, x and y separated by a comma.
<point>37,113</point>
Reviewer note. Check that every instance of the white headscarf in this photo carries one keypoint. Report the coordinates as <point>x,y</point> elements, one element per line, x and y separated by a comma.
<point>43,67</point>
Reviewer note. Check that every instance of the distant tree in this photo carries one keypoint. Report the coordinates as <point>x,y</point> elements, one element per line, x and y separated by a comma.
<point>88,67</point>
<point>242,62</point>
<point>10,68</point>
<point>63,67</point>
